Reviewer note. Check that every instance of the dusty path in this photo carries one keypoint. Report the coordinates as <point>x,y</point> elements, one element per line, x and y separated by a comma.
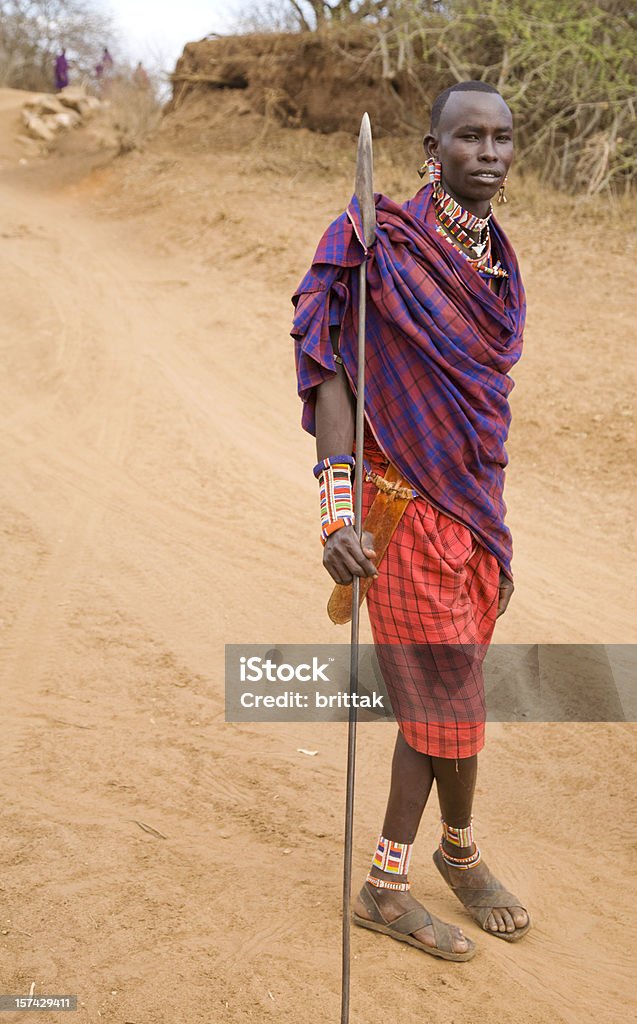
<point>148,419</point>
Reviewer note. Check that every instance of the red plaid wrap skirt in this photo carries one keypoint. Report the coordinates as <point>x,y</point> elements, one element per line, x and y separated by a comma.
<point>432,611</point>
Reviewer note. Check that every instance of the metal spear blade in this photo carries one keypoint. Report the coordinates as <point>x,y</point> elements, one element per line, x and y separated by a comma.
<point>364,184</point>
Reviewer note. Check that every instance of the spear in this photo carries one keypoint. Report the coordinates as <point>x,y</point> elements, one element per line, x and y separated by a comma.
<point>364,191</point>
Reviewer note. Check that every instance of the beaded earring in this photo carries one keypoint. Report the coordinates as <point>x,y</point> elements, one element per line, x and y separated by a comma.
<point>434,169</point>
<point>501,196</point>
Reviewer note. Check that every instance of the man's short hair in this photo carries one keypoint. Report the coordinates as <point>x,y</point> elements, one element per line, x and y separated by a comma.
<point>442,97</point>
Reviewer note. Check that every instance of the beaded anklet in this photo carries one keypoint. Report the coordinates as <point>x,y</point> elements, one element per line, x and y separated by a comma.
<point>462,838</point>
<point>463,863</point>
<point>393,858</point>
<point>382,883</point>
<point>457,836</point>
<point>334,475</point>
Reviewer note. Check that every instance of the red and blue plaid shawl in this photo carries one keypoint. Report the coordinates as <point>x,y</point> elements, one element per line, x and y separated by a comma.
<point>439,347</point>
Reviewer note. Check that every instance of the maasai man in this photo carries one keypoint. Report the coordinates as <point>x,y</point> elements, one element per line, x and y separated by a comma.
<point>445,317</point>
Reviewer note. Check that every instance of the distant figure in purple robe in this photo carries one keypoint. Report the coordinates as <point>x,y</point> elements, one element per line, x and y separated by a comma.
<point>61,71</point>
<point>140,77</point>
<point>104,72</point>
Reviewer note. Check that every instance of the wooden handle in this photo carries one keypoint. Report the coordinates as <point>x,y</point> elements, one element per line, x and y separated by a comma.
<point>381,521</point>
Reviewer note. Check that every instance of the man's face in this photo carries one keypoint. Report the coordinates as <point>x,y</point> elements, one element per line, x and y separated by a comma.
<point>474,144</point>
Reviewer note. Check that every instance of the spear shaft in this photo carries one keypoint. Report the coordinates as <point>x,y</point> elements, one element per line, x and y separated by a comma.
<point>364,191</point>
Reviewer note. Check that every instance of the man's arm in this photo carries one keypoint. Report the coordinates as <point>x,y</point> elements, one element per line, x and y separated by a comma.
<point>335,415</point>
<point>343,555</point>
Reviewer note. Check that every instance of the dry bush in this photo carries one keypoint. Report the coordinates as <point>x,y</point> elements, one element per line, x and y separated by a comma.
<point>566,67</point>
<point>32,32</point>
<point>133,112</point>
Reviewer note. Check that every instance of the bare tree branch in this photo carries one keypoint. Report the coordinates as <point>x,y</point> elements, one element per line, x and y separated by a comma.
<point>33,31</point>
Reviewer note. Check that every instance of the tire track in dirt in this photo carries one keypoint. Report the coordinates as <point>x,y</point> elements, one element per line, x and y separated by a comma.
<point>62,281</point>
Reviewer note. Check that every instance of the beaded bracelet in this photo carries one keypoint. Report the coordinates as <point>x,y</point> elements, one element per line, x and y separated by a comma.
<point>334,475</point>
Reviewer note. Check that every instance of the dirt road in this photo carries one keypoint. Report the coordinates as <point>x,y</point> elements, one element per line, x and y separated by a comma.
<point>157,502</point>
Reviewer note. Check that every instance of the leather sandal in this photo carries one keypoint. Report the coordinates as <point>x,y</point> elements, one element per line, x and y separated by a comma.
<point>480,902</point>
<point>402,928</point>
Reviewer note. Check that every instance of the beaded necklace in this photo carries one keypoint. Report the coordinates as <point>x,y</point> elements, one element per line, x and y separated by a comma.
<point>483,263</point>
<point>455,223</point>
<point>459,222</point>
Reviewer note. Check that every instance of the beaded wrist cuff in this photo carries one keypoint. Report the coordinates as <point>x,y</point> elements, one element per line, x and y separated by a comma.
<point>334,475</point>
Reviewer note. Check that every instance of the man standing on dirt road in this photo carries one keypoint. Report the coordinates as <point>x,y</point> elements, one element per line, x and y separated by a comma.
<point>444,327</point>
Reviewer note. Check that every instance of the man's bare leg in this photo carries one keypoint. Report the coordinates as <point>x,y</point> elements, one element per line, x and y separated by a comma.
<point>411,781</point>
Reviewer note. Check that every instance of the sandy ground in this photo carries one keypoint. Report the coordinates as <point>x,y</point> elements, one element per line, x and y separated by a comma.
<point>157,502</point>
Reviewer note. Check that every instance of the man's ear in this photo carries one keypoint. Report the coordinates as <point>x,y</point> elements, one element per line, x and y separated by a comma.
<point>430,145</point>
